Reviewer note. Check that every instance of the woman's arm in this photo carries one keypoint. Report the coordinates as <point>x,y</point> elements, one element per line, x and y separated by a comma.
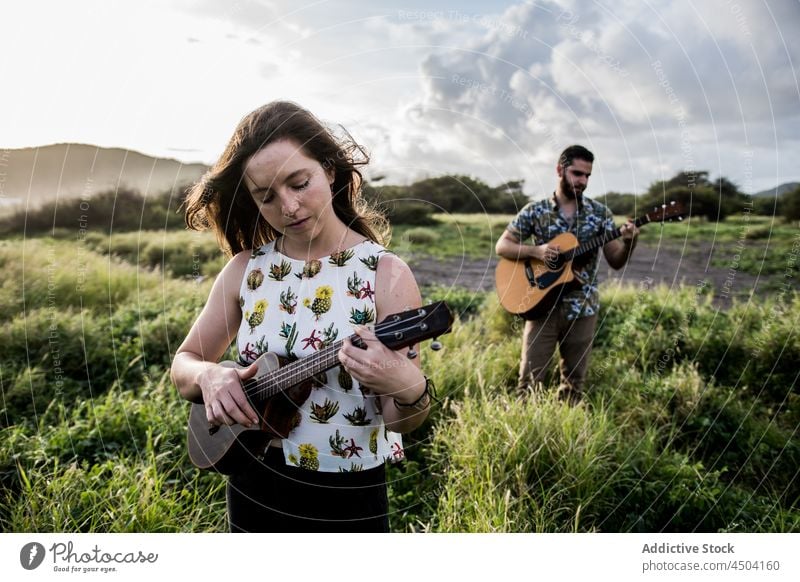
<point>390,374</point>
<point>195,370</point>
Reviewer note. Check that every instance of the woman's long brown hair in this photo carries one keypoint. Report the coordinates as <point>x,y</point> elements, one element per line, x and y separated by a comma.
<point>221,201</point>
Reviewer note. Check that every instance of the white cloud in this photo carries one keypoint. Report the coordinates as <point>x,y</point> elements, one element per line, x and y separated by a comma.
<point>653,85</point>
<point>494,90</point>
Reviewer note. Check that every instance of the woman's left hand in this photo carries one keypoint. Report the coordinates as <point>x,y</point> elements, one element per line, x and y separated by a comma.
<point>382,370</point>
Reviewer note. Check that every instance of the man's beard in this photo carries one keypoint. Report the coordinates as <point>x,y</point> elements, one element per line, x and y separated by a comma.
<point>568,190</point>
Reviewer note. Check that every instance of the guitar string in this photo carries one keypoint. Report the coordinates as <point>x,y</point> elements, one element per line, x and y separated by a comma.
<point>324,360</point>
<point>291,374</point>
<point>327,358</point>
<point>672,212</point>
<point>600,240</point>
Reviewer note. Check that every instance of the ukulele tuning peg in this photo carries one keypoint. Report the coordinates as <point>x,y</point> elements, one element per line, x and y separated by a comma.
<point>436,345</point>
<point>411,354</point>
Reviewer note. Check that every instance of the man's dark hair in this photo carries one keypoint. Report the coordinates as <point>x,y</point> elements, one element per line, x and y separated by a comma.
<point>574,152</point>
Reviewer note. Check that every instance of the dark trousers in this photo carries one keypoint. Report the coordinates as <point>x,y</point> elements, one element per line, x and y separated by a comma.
<point>574,341</point>
<point>270,496</point>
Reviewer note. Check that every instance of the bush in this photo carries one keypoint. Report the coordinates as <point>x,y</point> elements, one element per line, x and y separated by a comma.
<point>421,236</point>
<point>407,212</point>
<point>109,211</point>
<point>790,205</point>
<point>462,303</point>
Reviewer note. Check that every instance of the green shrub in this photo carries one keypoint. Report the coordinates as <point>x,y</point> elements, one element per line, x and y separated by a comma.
<point>421,236</point>
<point>462,302</point>
<point>409,212</point>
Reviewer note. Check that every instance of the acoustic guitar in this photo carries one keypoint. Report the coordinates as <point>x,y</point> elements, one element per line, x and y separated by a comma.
<point>279,388</point>
<point>531,288</point>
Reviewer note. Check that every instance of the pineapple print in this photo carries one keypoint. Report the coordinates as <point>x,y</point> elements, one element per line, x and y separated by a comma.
<point>279,272</point>
<point>322,413</point>
<point>358,417</point>
<point>371,262</point>
<point>241,302</point>
<point>322,301</point>
<point>257,253</point>
<point>353,468</point>
<point>254,279</point>
<point>373,442</point>
<point>340,259</point>
<point>257,317</point>
<point>362,316</point>
<point>310,269</point>
<point>309,457</point>
<point>345,380</point>
<point>288,301</point>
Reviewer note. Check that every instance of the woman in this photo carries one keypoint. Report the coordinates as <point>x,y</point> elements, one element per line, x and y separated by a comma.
<point>307,268</point>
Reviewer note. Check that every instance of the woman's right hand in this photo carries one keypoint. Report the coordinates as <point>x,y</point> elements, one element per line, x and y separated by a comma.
<point>224,396</point>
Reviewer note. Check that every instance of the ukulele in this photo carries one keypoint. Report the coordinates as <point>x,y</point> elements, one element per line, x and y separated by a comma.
<point>280,387</point>
<point>531,288</point>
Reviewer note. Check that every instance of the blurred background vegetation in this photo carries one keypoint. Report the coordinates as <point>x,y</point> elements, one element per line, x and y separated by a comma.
<point>124,210</point>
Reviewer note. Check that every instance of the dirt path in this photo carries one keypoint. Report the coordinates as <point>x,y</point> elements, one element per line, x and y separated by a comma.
<point>668,265</point>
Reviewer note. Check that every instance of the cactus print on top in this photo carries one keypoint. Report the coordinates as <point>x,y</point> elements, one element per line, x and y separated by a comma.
<point>294,308</point>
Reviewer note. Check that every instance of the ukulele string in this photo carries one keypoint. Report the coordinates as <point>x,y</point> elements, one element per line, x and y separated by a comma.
<point>293,373</point>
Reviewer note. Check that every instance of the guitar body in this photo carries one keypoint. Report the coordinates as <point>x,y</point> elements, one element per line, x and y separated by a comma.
<point>528,287</point>
<point>231,447</point>
<point>531,289</point>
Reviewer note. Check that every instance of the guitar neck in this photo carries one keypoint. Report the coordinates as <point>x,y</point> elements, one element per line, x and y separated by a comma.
<point>283,378</point>
<point>395,332</point>
<point>601,239</point>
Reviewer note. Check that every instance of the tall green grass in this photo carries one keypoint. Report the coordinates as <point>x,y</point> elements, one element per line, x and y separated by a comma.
<point>690,422</point>
<point>75,322</point>
<point>114,463</point>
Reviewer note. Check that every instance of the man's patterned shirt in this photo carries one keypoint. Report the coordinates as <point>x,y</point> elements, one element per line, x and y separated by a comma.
<point>542,222</point>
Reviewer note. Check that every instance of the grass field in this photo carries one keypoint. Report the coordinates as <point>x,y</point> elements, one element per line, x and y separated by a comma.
<point>690,424</point>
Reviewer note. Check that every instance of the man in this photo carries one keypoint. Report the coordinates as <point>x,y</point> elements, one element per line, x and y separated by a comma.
<point>571,323</point>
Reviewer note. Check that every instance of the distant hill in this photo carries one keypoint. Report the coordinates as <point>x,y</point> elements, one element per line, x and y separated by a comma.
<point>781,190</point>
<point>44,173</point>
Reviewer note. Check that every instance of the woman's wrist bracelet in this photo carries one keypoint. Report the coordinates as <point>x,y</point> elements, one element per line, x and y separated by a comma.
<point>423,401</point>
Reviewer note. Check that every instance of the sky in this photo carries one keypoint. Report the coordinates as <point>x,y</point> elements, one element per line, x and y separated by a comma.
<point>493,90</point>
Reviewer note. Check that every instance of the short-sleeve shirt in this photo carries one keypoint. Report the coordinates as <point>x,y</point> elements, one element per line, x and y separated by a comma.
<point>295,308</point>
<point>542,221</point>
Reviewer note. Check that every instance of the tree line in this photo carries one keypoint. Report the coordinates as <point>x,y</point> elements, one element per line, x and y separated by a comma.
<point>713,199</point>
<point>416,204</point>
